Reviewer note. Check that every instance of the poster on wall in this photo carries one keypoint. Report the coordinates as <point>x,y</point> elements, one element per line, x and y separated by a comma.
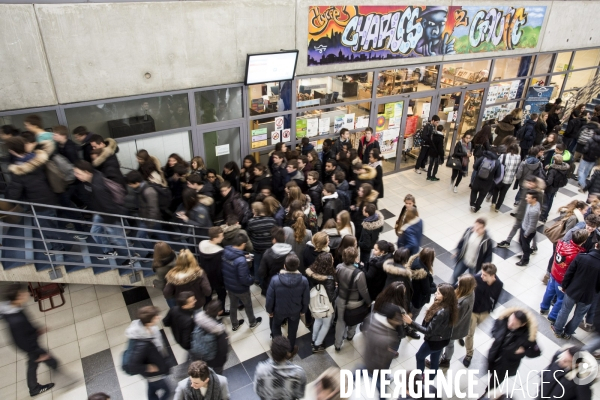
<point>347,34</point>
<point>275,137</point>
<point>362,122</point>
<point>537,98</point>
<point>286,135</point>
<point>411,126</point>
<point>300,127</point>
<point>259,138</point>
<point>312,127</point>
<point>278,123</point>
<point>388,142</point>
<point>324,125</point>
<point>349,121</point>
<point>338,124</point>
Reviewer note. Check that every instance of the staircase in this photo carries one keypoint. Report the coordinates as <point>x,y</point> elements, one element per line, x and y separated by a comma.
<point>25,240</point>
<point>593,103</point>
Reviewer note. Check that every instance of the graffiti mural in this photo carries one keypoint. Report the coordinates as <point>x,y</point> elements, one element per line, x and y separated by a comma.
<point>342,34</point>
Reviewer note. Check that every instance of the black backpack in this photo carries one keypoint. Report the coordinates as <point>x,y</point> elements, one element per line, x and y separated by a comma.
<point>246,213</point>
<point>521,132</point>
<point>560,180</point>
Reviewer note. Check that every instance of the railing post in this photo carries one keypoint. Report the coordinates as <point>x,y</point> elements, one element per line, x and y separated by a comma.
<point>55,273</point>
<point>133,278</point>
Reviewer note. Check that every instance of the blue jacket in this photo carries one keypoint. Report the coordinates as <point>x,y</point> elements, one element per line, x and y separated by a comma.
<point>288,294</point>
<point>236,274</point>
<point>528,135</point>
<point>411,236</point>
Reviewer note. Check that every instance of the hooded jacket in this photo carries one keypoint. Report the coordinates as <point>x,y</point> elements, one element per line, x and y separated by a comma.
<point>148,202</point>
<point>209,259</point>
<point>487,183</point>
<point>582,279</point>
<point>465,309</point>
<point>574,126</point>
<point>162,268</point>
<point>528,167</point>
<point>505,128</point>
<point>375,274</point>
<point>412,233</point>
<point>148,348</point>
<point>259,231</point>
<point>528,135</point>
<point>272,262</point>
<point>364,147</point>
<point>214,327</point>
<point>335,238</point>
<point>297,247</point>
<point>236,274</point>
<point>288,294</point>
<point>181,322</point>
<point>315,192</point>
<point>422,280</point>
<point>591,150</point>
<point>328,282</point>
<point>564,255</point>
<point>28,181</point>
<point>229,233</point>
<point>556,177</point>
<point>484,254</point>
<point>192,280</point>
<point>332,206</point>
<point>371,228</point>
<point>559,383</point>
<point>108,164</point>
<point>23,332</point>
<point>399,273</point>
<point>502,357</point>
<point>486,296</point>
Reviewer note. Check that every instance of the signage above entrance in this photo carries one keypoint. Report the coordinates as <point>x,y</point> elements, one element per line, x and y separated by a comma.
<point>345,34</point>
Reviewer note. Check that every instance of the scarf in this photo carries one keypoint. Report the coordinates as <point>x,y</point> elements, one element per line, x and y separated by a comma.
<point>25,158</point>
<point>213,390</point>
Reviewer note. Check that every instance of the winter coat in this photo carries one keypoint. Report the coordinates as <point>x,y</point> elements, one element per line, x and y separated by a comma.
<point>359,294</point>
<point>328,282</point>
<point>336,148</point>
<point>288,295</point>
<point>502,357</point>
<point>411,236</point>
<point>368,176</point>
<point>582,279</point>
<point>437,146</point>
<point>364,148</point>
<point>279,179</point>
<point>552,121</point>
<point>564,255</point>
<point>486,296</point>
<point>485,248</point>
<point>574,126</point>
<point>148,205</point>
<point>23,332</point>
<point>591,150</point>
<point>487,183</point>
<point>272,262</point>
<point>332,206</point>
<point>28,181</point>
<point>260,182</point>
<point>100,198</point>
<point>236,274</point>
<point>505,128</point>
<point>437,329</point>
<point>370,232</point>
<point>198,216</point>
<point>157,176</point>
<point>310,254</point>
<point>298,248</point>
<point>148,348</point>
<point>108,164</point>
<point>528,135</point>
<point>86,148</point>
<point>161,270</point>
<point>279,216</point>
<point>184,390</point>
<point>465,309</point>
<point>382,342</point>
<point>560,383</point>
<point>230,232</point>
<point>290,385</point>
<point>399,273</point>
<point>344,194</point>
<point>259,230</point>
<point>593,184</point>
<point>541,130</point>
<point>315,192</point>
<point>556,177</point>
<point>375,274</point>
<point>378,181</point>
<point>232,206</point>
<point>210,259</point>
<point>422,282</point>
<point>181,322</point>
<point>214,327</point>
<point>69,150</point>
<point>193,280</point>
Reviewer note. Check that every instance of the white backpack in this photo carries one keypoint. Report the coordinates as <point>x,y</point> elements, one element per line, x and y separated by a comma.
<point>319,305</point>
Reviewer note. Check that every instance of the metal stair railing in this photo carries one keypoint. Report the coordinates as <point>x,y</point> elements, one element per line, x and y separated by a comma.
<point>49,234</point>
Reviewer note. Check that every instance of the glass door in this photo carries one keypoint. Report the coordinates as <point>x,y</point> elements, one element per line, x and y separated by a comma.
<point>219,145</point>
<point>387,131</point>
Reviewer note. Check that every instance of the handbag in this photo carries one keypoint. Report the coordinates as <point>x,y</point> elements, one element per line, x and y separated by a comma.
<point>356,315</point>
<point>556,231</point>
<point>454,163</point>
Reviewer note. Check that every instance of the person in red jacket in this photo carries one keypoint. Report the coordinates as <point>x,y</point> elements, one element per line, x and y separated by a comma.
<point>366,144</point>
<point>565,254</point>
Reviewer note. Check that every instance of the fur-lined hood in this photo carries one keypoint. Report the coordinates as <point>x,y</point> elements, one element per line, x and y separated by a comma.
<point>110,149</point>
<point>317,277</point>
<point>560,167</point>
<point>407,225</point>
<point>531,321</point>
<point>372,198</point>
<point>159,170</point>
<point>41,158</point>
<point>205,200</point>
<point>372,225</point>
<point>391,268</point>
<point>369,174</point>
<point>181,278</point>
<point>417,273</point>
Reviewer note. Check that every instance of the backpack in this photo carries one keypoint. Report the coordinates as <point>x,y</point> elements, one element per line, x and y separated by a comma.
<point>319,304</point>
<point>312,219</point>
<point>521,133</point>
<point>65,167</point>
<point>502,169</point>
<point>485,169</point>
<point>126,357</point>
<point>560,180</point>
<point>245,208</point>
<point>56,178</point>
<point>164,195</point>
<point>204,345</point>
<point>117,192</point>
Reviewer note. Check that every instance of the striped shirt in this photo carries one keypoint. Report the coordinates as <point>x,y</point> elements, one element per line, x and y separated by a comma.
<point>511,164</point>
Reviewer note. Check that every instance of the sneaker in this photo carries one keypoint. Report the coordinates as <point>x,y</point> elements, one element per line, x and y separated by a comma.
<point>534,250</point>
<point>566,336</point>
<point>513,214</point>
<point>41,389</point>
<point>424,169</point>
<point>522,263</point>
<point>556,334</point>
<point>516,203</point>
<point>417,171</point>
<point>473,209</point>
<point>226,313</point>
<point>256,323</point>
<point>543,220</point>
<point>544,312</point>
<point>444,363</point>
<point>494,208</point>
<point>461,342</point>
<point>455,189</point>
<point>488,198</point>
<point>293,353</point>
<point>337,348</point>
<point>106,256</point>
<point>467,361</point>
<point>129,261</point>
<point>545,279</point>
<point>435,179</point>
<point>428,179</point>
<point>80,237</point>
<point>503,244</point>
<point>318,349</point>
<point>240,323</point>
<point>349,338</point>
<point>580,190</point>
<point>552,321</point>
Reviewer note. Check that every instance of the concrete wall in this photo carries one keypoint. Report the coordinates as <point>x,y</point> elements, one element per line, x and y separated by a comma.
<point>90,51</point>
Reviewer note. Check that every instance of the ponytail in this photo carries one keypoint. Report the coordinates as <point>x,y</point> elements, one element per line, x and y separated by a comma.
<point>299,226</point>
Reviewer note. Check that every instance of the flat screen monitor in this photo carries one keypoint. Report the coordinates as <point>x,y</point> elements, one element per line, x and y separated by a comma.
<point>271,67</point>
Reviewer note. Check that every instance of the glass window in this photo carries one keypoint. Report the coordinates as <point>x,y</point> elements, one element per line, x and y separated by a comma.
<point>470,112</point>
<point>330,121</point>
<point>218,105</point>
<point>500,92</point>
<point>498,112</point>
<point>562,61</point>
<point>132,117</point>
<point>263,132</point>
<point>586,58</point>
<point>556,81</point>
<point>269,97</point>
<point>388,133</point>
<point>506,68</point>
<point>407,80</point>
<point>417,114</point>
<point>161,147</point>
<point>333,89</point>
<point>543,63</point>
<point>577,80</point>
<point>460,74</point>
<point>49,119</point>
<point>222,146</point>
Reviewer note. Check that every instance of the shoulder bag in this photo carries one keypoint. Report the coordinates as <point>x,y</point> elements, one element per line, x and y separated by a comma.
<point>356,315</point>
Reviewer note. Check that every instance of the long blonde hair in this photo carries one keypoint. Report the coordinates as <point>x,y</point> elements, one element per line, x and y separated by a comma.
<point>344,217</point>
<point>185,262</point>
<point>299,226</point>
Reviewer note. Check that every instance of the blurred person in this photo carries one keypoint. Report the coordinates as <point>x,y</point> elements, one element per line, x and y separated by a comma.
<point>202,383</point>
<point>33,123</point>
<point>529,226</point>
<point>410,233</point>
<point>180,319</point>
<point>187,276</point>
<point>208,321</point>
<point>107,162</point>
<point>556,178</point>
<point>197,167</point>
<point>326,386</point>
<point>231,173</point>
<point>82,136</point>
<point>65,146</point>
<point>560,375</point>
<point>591,154</point>
<point>473,250</point>
<point>163,261</point>
<point>193,212</point>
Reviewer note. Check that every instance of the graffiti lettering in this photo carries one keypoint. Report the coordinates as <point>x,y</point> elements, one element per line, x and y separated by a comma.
<point>319,22</point>
<point>494,27</point>
<point>398,32</point>
<point>460,17</point>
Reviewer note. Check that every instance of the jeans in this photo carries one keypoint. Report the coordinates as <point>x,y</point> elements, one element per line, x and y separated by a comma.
<point>457,175</point>
<point>525,242</point>
<point>499,194</point>
<point>32,366</point>
<point>246,299</point>
<point>434,162</point>
<point>434,358</point>
<point>584,170</point>
<point>551,291</point>
<point>460,269</point>
<point>449,350</point>
<point>154,387</point>
<point>340,326</point>
<point>142,234</point>
<point>47,223</point>
<point>518,195</point>
<point>547,205</point>
<point>589,317</point>
<point>320,329</point>
<point>116,235</point>
<point>476,319</point>
<point>593,344</point>
<point>292,323</point>
<point>563,314</point>
<point>422,159</point>
<point>256,265</point>
<point>477,197</point>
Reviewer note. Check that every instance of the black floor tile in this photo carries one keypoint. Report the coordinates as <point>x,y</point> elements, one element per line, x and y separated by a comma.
<point>503,252</point>
<point>251,363</point>
<point>232,358</point>
<point>106,382</point>
<point>386,214</point>
<point>439,250</point>
<point>504,295</point>
<point>237,377</point>
<point>135,295</point>
<point>478,362</point>
<point>567,192</point>
<point>304,345</point>
<point>133,308</point>
<point>425,241</point>
<point>387,227</point>
<point>437,280</point>
<point>315,365</point>
<point>245,393</point>
<point>97,363</point>
<point>504,209</point>
<point>170,356</point>
<point>447,259</point>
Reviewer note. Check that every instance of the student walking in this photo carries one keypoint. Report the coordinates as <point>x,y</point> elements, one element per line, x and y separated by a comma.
<point>321,274</point>
<point>528,227</point>
<point>473,250</point>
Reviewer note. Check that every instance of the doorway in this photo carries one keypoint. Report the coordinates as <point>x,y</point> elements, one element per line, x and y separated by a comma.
<point>219,146</point>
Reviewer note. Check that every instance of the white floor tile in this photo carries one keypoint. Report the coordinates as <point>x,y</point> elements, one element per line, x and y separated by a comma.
<point>247,348</point>
<point>86,311</point>
<point>60,319</point>
<point>116,317</point>
<point>61,336</point>
<point>93,344</point>
<point>89,327</point>
<point>83,296</point>
<point>111,302</point>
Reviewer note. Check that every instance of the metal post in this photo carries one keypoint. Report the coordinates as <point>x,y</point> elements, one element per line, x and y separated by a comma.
<point>55,273</point>
<point>134,276</point>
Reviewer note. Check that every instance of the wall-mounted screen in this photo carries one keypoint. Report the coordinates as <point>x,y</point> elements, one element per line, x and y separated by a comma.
<point>271,67</point>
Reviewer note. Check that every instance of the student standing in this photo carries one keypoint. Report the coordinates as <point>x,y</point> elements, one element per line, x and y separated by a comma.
<point>366,144</point>
<point>372,226</point>
<point>322,273</point>
<point>410,233</point>
<point>202,383</point>
<point>426,135</point>
<point>436,153</point>
<point>462,152</point>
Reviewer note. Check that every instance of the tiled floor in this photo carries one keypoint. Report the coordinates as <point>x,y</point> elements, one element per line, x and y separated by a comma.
<point>87,334</point>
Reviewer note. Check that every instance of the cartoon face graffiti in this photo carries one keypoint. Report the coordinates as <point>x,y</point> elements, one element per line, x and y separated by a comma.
<point>434,42</point>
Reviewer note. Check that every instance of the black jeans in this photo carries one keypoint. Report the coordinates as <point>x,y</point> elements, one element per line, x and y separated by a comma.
<point>434,162</point>
<point>547,205</point>
<point>525,242</point>
<point>499,194</point>
<point>457,175</point>
<point>32,366</point>
<point>477,197</point>
<point>422,159</point>
<point>154,387</point>
<point>292,323</point>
